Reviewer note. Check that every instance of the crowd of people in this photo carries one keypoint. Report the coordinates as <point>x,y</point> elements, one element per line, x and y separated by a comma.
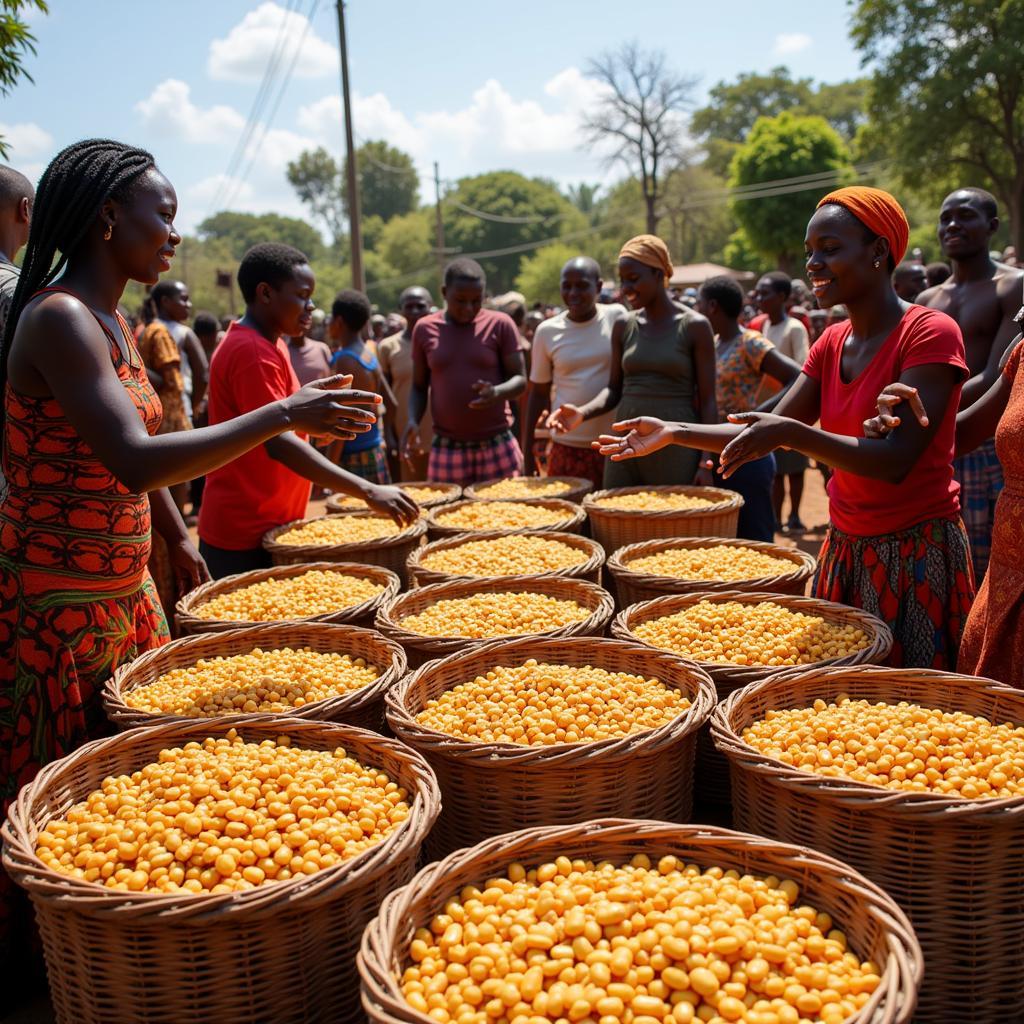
<point>901,384</point>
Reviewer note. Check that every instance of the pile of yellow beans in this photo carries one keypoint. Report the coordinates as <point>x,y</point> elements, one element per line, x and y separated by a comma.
<point>517,555</point>
<point>271,681</point>
<point>537,704</point>
<point>510,613</point>
<point>524,487</point>
<point>223,815</point>
<point>499,515</point>
<point>653,501</point>
<point>348,529</point>
<point>717,563</point>
<point>751,634</point>
<point>664,943</point>
<point>898,746</point>
<point>292,597</point>
<point>420,493</point>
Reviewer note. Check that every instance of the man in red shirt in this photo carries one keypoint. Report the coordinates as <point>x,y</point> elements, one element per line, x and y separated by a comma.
<point>270,485</point>
<point>468,363</point>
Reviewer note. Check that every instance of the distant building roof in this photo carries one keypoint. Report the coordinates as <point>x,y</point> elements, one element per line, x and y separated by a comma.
<point>695,274</point>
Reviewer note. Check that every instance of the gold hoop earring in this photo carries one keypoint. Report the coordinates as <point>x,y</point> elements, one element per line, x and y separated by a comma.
<point>110,231</point>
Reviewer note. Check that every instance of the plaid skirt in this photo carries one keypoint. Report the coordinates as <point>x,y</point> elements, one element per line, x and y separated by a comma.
<point>981,479</point>
<point>471,462</point>
<point>371,464</point>
<point>918,582</point>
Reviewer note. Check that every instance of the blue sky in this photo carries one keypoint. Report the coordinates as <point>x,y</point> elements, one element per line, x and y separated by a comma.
<point>475,88</point>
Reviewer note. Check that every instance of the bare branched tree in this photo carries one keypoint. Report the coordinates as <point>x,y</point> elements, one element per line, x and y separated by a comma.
<point>641,116</point>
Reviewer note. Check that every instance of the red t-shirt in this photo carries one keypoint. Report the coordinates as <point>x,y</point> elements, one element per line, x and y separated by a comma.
<point>457,356</point>
<point>863,506</point>
<point>255,493</point>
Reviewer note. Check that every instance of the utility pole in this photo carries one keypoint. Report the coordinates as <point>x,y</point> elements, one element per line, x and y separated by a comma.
<point>354,230</point>
<point>440,226</point>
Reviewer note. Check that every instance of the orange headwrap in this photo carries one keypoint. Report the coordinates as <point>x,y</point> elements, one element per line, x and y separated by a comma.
<point>649,250</point>
<point>878,211</point>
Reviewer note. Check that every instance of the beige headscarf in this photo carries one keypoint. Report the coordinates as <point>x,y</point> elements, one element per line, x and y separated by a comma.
<point>649,250</point>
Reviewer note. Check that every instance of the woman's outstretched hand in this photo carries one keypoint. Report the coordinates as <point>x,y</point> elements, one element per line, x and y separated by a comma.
<point>643,435</point>
<point>765,432</point>
<point>329,408</point>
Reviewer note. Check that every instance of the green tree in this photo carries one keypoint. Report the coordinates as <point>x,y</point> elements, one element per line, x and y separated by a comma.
<point>949,85</point>
<point>243,230</point>
<point>407,242</point>
<point>17,44</point>
<point>584,197</point>
<point>786,146</point>
<point>388,183</point>
<point>316,178</point>
<point>697,215</point>
<point>540,274</point>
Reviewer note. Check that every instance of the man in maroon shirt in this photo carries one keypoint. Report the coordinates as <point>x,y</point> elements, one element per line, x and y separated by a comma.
<point>468,364</point>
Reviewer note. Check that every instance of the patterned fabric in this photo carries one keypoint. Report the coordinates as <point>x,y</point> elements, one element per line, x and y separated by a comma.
<point>470,462</point>
<point>738,371</point>
<point>160,353</point>
<point>980,476</point>
<point>919,582</point>
<point>371,464</point>
<point>564,460</point>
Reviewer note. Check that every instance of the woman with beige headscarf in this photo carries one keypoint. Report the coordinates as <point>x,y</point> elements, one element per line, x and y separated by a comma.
<point>663,358</point>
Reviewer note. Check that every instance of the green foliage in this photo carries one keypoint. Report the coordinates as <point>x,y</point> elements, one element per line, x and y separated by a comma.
<point>783,147</point>
<point>17,44</point>
<point>696,223</point>
<point>317,181</point>
<point>584,197</point>
<point>540,275</point>
<point>388,183</point>
<point>242,230</point>
<point>740,254</point>
<point>407,242</point>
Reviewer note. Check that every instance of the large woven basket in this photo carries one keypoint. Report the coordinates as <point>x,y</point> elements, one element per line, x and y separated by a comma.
<point>632,586</point>
<point>420,649</point>
<point>389,552</point>
<point>489,788</point>
<point>575,488</point>
<point>188,611</point>
<point>953,865</point>
<point>712,768</point>
<point>452,492</point>
<point>875,926</point>
<point>280,952</point>
<point>588,569</point>
<point>574,518</point>
<point>363,708</point>
<point>614,528</point>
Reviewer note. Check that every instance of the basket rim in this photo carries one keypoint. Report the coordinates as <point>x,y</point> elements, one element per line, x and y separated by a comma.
<point>703,699</point>
<point>594,561</point>
<point>669,603</point>
<point>120,683</point>
<point>893,1000</point>
<point>577,484</point>
<point>186,616</point>
<point>729,501</point>
<point>804,564</point>
<point>18,833</point>
<point>270,542</point>
<point>843,789</point>
<point>601,611</point>
<point>454,490</point>
<point>575,515</point>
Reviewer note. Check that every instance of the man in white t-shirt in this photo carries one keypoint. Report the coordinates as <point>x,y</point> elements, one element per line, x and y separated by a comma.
<point>571,360</point>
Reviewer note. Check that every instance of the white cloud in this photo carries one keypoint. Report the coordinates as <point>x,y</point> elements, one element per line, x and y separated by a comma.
<point>170,110</point>
<point>787,43</point>
<point>204,192</point>
<point>243,55</point>
<point>27,139</point>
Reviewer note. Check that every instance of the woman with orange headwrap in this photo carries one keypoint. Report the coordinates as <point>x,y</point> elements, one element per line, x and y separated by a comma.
<point>896,546</point>
<point>663,364</point>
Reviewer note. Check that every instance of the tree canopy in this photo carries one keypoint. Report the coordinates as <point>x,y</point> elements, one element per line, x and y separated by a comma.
<point>540,275</point>
<point>242,230</point>
<point>17,44</point>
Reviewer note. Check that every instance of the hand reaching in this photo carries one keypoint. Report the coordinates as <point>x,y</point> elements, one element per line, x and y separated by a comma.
<point>886,421</point>
<point>565,418</point>
<point>319,408</point>
<point>644,435</point>
<point>765,432</point>
<point>393,502</point>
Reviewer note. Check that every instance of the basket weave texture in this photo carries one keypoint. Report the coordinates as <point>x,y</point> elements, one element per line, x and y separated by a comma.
<point>633,586</point>
<point>614,528</point>
<point>712,768</point>
<point>390,552</point>
<point>452,493</point>
<point>578,487</point>
<point>590,569</point>
<point>282,952</point>
<point>490,788</point>
<point>952,864</point>
<point>876,927</point>
<point>420,649</point>
<point>574,518</point>
<point>363,708</point>
<point>188,611</point>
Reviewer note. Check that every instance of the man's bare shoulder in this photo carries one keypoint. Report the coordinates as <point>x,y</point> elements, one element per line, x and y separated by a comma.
<point>1009,281</point>
<point>935,297</point>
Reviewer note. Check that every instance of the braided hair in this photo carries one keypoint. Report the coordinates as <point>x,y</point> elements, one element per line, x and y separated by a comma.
<point>71,191</point>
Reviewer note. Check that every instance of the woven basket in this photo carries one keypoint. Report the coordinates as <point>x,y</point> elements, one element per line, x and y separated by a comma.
<point>632,586</point>
<point>576,488</point>
<point>280,952</point>
<point>573,522</point>
<point>363,708</point>
<point>590,569</point>
<point>614,528</point>
<point>188,611</point>
<point>489,788</point>
<point>875,926</point>
<point>952,864</point>
<point>452,493</point>
<point>712,768</point>
<point>420,649</point>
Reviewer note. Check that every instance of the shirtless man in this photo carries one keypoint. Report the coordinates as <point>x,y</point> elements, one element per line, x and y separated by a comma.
<point>982,297</point>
